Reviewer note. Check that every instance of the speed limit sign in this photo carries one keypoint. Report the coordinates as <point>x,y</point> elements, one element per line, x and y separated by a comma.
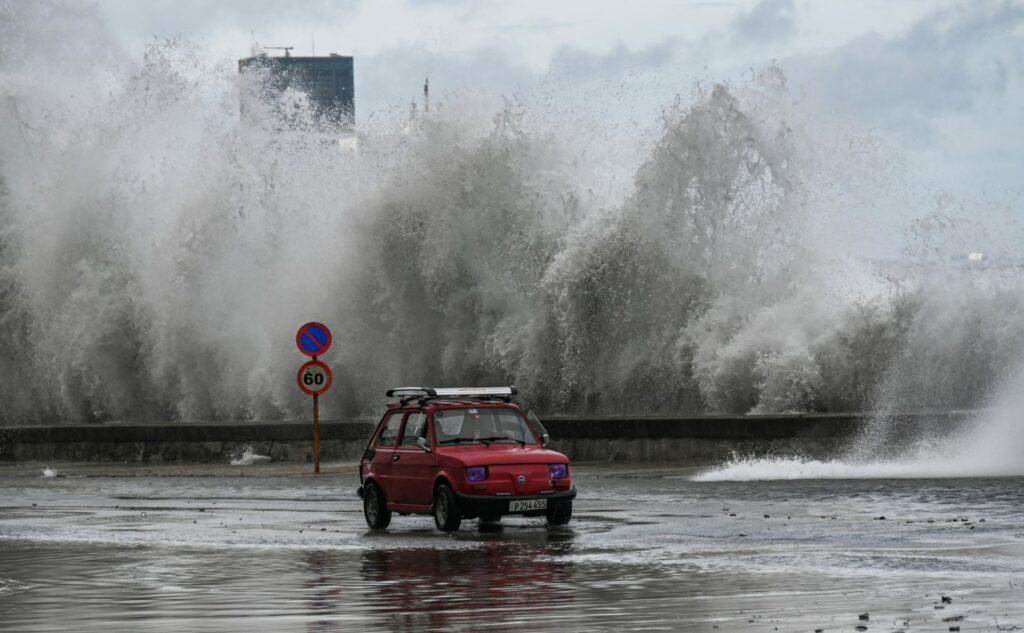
<point>314,377</point>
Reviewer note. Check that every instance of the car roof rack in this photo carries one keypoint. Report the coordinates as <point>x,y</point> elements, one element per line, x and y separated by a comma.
<point>424,394</point>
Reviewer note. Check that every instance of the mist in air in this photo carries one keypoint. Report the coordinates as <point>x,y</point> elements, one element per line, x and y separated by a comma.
<point>157,253</point>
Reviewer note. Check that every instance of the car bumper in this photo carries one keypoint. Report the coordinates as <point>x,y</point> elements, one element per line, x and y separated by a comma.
<point>483,505</point>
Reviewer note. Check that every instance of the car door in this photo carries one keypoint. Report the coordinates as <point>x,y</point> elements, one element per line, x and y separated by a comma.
<point>382,465</point>
<point>412,468</point>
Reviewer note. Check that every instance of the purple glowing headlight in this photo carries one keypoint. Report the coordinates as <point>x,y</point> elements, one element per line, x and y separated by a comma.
<point>476,473</point>
<point>559,471</point>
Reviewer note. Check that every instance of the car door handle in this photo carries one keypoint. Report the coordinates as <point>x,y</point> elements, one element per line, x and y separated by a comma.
<point>396,457</point>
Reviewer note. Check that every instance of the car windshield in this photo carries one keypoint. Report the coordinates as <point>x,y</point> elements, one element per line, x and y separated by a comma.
<point>484,425</point>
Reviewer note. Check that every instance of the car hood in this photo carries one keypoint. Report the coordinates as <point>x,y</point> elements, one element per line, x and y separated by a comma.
<point>502,453</point>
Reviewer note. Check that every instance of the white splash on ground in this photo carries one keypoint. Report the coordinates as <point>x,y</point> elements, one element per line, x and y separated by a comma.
<point>249,457</point>
<point>991,445</point>
<point>49,472</point>
<point>768,469</point>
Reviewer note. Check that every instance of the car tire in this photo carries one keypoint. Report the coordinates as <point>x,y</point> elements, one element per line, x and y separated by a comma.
<point>560,514</point>
<point>447,515</point>
<point>375,507</point>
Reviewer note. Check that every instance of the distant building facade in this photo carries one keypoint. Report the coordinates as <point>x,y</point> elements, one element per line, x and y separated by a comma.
<point>327,82</point>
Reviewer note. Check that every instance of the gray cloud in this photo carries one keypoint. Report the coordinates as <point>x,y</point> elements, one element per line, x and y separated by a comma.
<point>201,16</point>
<point>946,62</point>
<point>581,64</point>
<point>943,64</point>
<point>394,78</point>
<point>768,21</point>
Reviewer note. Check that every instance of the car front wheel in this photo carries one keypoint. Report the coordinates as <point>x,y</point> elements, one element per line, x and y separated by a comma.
<point>447,516</point>
<point>560,514</point>
<point>375,508</point>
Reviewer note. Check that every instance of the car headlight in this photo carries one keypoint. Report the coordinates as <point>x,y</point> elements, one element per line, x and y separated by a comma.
<point>476,473</point>
<point>559,471</point>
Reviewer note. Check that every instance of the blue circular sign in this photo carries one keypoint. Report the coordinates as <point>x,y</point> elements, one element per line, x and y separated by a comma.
<point>313,338</point>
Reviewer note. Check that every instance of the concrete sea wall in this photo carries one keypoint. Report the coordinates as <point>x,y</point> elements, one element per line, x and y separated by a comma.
<point>582,438</point>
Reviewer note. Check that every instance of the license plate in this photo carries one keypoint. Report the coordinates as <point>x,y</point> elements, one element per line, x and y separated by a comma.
<point>528,504</point>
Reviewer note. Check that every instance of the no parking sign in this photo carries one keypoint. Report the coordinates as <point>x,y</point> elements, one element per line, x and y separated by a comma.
<point>313,339</point>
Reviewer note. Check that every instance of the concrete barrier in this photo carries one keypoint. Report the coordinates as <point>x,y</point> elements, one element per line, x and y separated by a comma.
<point>582,438</point>
<point>707,437</point>
<point>184,442</point>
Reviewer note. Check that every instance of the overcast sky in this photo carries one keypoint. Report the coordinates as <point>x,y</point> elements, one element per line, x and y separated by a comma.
<point>942,80</point>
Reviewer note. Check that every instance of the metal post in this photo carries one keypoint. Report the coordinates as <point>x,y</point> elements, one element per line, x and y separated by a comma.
<point>316,432</point>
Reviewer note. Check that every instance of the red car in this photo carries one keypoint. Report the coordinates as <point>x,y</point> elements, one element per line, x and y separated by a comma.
<point>462,453</point>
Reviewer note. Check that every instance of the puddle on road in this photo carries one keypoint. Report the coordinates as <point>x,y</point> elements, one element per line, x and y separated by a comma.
<point>290,553</point>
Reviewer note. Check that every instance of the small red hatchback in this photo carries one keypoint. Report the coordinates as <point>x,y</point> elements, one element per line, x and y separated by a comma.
<point>462,453</point>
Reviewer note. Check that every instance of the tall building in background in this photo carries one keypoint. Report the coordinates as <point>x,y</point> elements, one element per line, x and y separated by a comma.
<point>328,82</point>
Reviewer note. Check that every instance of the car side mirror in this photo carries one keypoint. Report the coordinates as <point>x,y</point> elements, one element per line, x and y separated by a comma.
<point>544,439</point>
<point>422,443</point>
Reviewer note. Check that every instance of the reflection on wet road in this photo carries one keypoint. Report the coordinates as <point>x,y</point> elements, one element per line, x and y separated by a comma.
<point>272,548</point>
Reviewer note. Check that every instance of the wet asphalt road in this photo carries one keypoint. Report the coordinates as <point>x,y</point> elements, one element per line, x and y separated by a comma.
<point>271,547</point>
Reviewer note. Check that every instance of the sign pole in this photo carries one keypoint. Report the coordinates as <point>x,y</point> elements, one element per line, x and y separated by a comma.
<point>316,433</point>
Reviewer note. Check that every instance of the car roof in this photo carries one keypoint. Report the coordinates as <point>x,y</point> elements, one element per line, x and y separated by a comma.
<point>434,405</point>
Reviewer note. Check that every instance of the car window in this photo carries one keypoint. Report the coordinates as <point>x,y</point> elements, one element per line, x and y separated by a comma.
<point>486,424</point>
<point>415,427</point>
<point>538,427</point>
<point>389,433</point>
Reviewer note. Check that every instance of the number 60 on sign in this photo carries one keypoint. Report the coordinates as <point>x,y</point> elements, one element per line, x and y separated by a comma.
<point>314,377</point>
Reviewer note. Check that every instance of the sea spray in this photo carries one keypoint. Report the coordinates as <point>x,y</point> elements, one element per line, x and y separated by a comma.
<point>989,444</point>
<point>247,457</point>
<point>157,253</point>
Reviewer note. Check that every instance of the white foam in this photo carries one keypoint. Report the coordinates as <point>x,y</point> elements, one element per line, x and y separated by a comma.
<point>991,445</point>
<point>249,457</point>
<point>49,472</point>
<point>767,469</point>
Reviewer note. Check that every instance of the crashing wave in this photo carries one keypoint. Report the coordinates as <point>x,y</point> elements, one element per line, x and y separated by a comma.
<point>156,254</point>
